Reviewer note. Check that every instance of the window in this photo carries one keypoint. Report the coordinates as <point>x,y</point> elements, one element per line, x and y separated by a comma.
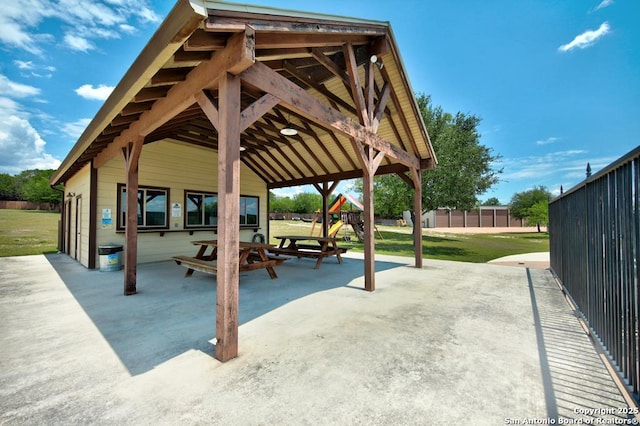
<point>201,209</point>
<point>153,207</point>
<point>248,210</point>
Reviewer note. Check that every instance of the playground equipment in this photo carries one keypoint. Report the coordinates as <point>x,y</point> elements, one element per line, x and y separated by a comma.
<point>340,217</point>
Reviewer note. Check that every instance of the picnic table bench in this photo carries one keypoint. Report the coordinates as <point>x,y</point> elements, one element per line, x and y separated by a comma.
<point>252,256</point>
<point>319,248</point>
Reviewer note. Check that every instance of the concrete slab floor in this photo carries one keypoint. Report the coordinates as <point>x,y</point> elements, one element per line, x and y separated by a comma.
<point>449,343</point>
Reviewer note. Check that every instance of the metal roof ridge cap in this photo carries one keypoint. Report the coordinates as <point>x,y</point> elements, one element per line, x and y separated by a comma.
<point>188,14</point>
<point>268,10</point>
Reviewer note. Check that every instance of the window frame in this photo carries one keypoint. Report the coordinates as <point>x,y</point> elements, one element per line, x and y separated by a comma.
<point>243,213</point>
<point>121,220</point>
<point>250,225</point>
<point>186,224</point>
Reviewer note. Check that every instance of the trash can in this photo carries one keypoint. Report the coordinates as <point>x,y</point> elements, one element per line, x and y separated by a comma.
<point>110,257</point>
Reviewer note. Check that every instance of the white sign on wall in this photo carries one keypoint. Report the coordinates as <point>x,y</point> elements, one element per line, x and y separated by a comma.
<point>176,210</point>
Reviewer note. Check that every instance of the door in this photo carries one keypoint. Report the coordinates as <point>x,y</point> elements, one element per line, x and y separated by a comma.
<point>78,230</point>
<point>67,227</point>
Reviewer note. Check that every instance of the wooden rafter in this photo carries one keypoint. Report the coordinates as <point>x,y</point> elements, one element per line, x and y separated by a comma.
<point>293,96</point>
<point>234,58</point>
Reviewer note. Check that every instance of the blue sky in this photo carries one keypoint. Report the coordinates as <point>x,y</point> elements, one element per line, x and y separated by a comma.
<point>556,83</point>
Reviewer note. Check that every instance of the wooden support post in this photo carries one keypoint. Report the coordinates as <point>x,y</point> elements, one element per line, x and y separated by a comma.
<point>325,190</point>
<point>131,155</point>
<point>228,277</point>
<point>417,222</point>
<point>325,210</point>
<point>369,235</point>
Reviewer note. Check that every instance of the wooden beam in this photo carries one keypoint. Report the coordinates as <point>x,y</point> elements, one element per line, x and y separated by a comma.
<point>208,108</point>
<point>352,174</point>
<point>131,155</point>
<point>417,222</point>
<point>291,41</point>
<point>407,179</point>
<point>370,89</point>
<point>228,275</point>
<point>226,21</point>
<point>301,102</point>
<point>204,41</point>
<point>354,84</point>
<point>238,55</point>
<point>369,234</point>
<point>380,107</point>
<point>253,112</point>
<point>326,62</point>
<point>325,190</point>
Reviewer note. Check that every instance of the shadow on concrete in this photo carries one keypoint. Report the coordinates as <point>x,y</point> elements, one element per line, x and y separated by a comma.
<point>573,376</point>
<point>172,314</point>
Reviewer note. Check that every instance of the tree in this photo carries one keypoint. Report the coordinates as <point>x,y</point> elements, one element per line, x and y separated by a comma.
<point>306,202</point>
<point>465,167</point>
<point>392,196</point>
<point>493,201</point>
<point>34,187</point>
<point>280,204</point>
<point>8,187</point>
<point>532,206</point>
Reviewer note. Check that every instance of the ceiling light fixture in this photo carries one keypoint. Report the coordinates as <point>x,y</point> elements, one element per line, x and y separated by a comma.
<point>288,130</point>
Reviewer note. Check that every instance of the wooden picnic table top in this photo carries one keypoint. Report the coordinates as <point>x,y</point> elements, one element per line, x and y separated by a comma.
<point>252,256</point>
<point>326,246</point>
<point>242,244</point>
<point>305,237</point>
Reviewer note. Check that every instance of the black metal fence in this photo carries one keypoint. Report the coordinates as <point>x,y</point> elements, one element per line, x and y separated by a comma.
<point>594,232</point>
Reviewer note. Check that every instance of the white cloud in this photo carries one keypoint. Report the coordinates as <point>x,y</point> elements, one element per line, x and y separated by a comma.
<point>128,29</point>
<point>78,43</point>
<point>291,191</point>
<point>34,68</point>
<point>587,38</point>
<point>22,147</point>
<point>20,21</point>
<point>75,129</point>
<point>99,93</point>
<point>16,90</point>
<point>8,106</point>
<point>23,65</point>
<point>551,139</point>
<point>16,17</point>
<point>562,166</point>
<point>148,15</point>
<point>603,4</point>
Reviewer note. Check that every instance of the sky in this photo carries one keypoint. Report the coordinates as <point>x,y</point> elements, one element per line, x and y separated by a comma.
<point>556,83</point>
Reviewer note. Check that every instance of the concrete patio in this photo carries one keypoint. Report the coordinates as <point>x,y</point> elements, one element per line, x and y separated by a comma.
<point>450,343</point>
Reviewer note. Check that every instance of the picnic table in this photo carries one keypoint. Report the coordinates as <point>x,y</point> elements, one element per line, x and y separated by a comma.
<point>252,256</point>
<point>313,247</point>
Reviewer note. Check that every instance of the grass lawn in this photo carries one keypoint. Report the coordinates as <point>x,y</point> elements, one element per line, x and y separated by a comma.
<point>478,248</point>
<point>25,232</point>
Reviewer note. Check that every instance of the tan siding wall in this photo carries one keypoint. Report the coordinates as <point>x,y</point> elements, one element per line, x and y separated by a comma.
<point>178,167</point>
<point>79,184</point>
